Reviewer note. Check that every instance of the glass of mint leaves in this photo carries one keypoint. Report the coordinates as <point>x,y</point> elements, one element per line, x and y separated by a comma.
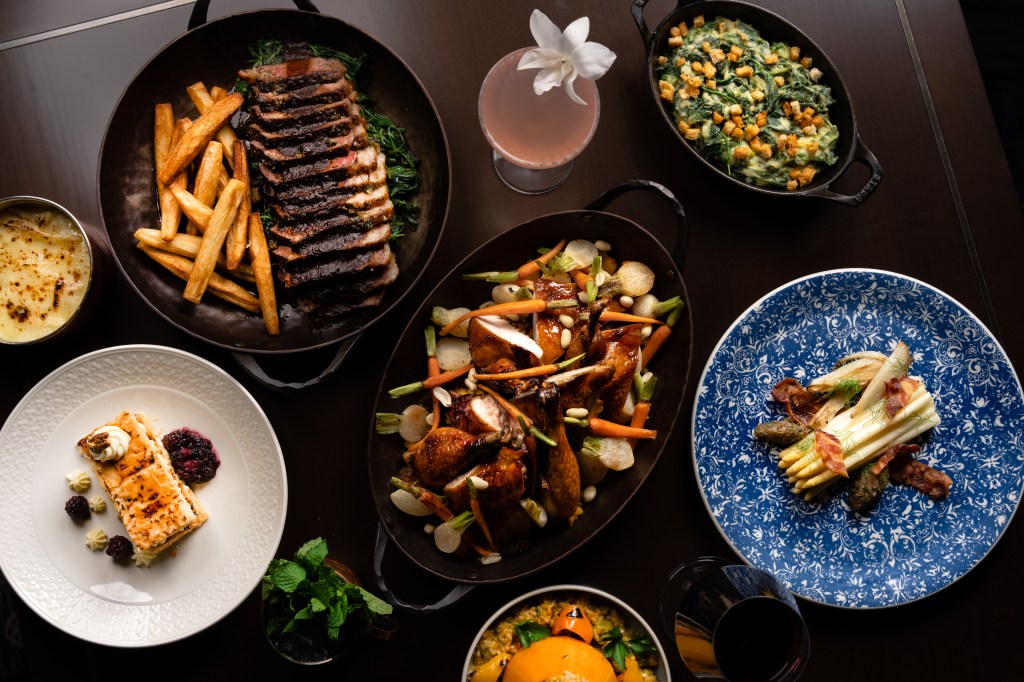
<point>313,610</point>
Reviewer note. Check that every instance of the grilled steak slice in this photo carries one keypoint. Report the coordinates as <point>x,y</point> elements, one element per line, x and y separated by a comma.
<point>341,223</point>
<point>293,74</point>
<point>349,290</point>
<point>301,133</point>
<point>305,192</point>
<point>347,203</point>
<point>335,310</point>
<point>355,161</point>
<point>296,116</point>
<point>375,236</point>
<point>344,264</point>
<point>309,94</point>
<point>310,149</point>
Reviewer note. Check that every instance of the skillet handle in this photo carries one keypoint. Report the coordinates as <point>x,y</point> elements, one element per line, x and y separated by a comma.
<point>860,153</point>
<point>638,16</point>
<point>683,236</point>
<point>198,17</point>
<point>458,592</point>
<point>247,362</point>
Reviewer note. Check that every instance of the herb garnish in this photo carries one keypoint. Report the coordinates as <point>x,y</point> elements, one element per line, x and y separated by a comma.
<point>530,631</point>
<point>618,649</point>
<point>304,594</point>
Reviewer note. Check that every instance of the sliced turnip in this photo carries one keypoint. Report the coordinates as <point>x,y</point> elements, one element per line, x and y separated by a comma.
<point>592,469</point>
<point>442,316</point>
<point>633,278</point>
<point>453,353</point>
<point>408,503</point>
<point>614,453</point>
<point>644,305</point>
<point>448,536</point>
<point>505,293</point>
<point>413,423</point>
<point>582,252</point>
<point>536,512</point>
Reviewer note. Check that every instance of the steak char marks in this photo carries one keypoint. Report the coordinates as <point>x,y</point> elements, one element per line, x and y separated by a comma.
<point>324,181</point>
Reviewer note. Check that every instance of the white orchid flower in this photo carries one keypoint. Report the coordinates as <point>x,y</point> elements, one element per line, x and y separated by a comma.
<point>562,56</point>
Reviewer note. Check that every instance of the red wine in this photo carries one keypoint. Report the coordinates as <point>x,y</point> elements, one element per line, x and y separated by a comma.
<point>760,639</point>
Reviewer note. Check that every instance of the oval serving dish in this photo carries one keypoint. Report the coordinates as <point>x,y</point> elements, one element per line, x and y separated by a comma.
<point>774,29</point>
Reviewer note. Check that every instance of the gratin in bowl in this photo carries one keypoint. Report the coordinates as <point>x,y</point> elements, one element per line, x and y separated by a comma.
<point>73,319</point>
<point>633,619</point>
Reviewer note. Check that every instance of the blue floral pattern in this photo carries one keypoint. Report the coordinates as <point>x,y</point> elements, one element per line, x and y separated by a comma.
<point>910,546</point>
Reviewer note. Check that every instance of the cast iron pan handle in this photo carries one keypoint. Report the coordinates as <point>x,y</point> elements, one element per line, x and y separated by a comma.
<point>252,368</point>
<point>638,16</point>
<point>198,17</point>
<point>458,592</point>
<point>860,153</point>
<point>682,238</point>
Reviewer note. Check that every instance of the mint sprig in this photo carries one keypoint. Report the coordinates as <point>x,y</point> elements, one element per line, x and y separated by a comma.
<point>306,595</point>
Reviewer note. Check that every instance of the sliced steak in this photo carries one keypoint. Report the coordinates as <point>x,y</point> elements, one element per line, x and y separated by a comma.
<point>335,310</point>
<point>303,192</point>
<point>355,161</point>
<point>309,94</point>
<point>341,223</point>
<point>293,74</point>
<point>347,203</point>
<point>375,236</point>
<point>296,116</point>
<point>310,149</point>
<point>300,133</point>
<point>344,264</point>
<point>349,290</point>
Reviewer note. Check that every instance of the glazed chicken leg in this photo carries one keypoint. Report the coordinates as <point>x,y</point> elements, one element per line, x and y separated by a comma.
<point>447,452</point>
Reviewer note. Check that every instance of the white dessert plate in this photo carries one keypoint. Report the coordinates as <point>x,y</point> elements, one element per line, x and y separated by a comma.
<point>43,552</point>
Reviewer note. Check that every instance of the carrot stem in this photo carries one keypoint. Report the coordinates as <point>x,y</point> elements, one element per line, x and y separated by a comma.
<point>433,370</point>
<point>603,427</point>
<point>429,499</point>
<point>539,371</point>
<point>431,382</point>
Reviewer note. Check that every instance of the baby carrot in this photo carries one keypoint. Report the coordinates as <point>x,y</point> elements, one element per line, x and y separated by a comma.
<point>644,391</point>
<point>530,305</point>
<point>603,427</point>
<point>539,371</point>
<point>431,382</point>
<point>612,316</point>
<point>533,267</point>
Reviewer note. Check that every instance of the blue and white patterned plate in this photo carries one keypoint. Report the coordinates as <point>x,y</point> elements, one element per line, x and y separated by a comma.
<point>910,546</point>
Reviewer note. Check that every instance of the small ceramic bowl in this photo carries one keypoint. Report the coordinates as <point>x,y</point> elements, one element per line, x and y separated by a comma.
<point>566,592</point>
<point>29,307</point>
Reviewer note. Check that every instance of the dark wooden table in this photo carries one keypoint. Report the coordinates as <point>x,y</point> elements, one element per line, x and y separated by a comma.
<point>946,213</point>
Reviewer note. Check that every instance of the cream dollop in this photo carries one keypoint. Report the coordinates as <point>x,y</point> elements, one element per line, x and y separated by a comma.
<point>97,504</point>
<point>107,443</point>
<point>96,539</point>
<point>143,557</point>
<point>78,481</point>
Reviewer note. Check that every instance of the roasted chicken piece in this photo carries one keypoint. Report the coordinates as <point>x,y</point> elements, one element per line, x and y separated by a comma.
<point>447,452</point>
<point>478,414</point>
<point>493,339</point>
<point>547,327</point>
<point>616,352</point>
<point>505,475</point>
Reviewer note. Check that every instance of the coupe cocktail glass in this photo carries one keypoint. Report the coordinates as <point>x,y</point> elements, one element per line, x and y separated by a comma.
<point>534,138</point>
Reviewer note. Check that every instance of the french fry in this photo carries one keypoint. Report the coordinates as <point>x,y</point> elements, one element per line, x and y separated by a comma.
<point>163,140</point>
<point>237,236</point>
<point>199,135</point>
<point>260,257</point>
<point>203,101</point>
<point>219,286</point>
<point>221,220</point>
<point>206,187</point>
<point>218,93</point>
<point>187,245</point>
<point>194,210</point>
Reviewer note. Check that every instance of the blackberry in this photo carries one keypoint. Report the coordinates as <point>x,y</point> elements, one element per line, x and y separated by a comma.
<point>192,455</point>
<point>77,507</point>
<point>120,547</point>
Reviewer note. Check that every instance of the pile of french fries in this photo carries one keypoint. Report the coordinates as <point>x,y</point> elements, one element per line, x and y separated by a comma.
<point>216,202</point>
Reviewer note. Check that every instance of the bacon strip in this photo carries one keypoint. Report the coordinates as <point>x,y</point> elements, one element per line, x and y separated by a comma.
<point>897,394</point>
<point>918,475</point>
<point>890,454</point>
<point>830,450</point>
<point>801,404</point>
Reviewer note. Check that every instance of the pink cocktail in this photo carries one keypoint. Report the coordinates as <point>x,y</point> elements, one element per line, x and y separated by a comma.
<point>534,137</point>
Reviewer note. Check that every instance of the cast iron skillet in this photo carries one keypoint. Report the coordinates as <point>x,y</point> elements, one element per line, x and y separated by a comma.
<point>213,53</point>
<point>407,364</point>
<point>774,29</point>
